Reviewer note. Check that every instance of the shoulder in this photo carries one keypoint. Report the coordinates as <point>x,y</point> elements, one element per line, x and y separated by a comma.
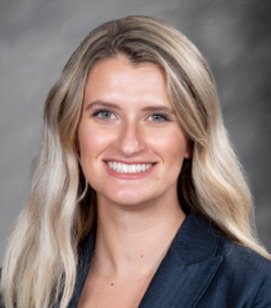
<point>236,257</point>
<point>244,260</point>
<point>239,257</point>
<point>244,274</point>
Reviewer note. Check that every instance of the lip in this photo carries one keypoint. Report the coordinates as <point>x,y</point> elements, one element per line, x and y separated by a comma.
<point>131,176</point>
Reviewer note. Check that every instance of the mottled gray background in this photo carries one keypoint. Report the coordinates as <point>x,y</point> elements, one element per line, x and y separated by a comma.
<point>37,37</point>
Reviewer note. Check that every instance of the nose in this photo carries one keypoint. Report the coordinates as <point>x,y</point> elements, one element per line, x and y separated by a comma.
<point>131,139</point>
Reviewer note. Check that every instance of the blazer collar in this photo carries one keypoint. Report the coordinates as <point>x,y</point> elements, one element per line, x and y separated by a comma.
<point>183,275</point>
<point>196,240</point>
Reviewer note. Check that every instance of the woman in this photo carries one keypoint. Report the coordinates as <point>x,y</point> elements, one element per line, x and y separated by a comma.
<point>138,198</point>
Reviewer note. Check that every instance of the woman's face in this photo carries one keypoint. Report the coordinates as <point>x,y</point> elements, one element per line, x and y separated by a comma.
<point>131,146</point>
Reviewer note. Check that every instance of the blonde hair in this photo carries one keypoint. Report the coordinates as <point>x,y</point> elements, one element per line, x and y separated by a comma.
<point>40,264</point>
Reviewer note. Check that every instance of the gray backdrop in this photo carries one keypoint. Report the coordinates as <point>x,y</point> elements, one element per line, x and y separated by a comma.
<point>37,37</point>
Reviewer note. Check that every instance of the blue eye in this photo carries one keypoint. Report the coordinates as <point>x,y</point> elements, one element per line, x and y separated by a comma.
<point>103,114</point>
<point>159,117</point>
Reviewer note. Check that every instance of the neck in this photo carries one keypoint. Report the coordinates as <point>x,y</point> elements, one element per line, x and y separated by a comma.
<point>134,241</point>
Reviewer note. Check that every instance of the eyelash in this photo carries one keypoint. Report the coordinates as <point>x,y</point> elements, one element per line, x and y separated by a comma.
<point>97,114</point>
<point>162,117</point>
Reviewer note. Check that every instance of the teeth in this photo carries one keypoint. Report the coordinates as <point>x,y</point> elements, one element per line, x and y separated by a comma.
<point>125,168</point>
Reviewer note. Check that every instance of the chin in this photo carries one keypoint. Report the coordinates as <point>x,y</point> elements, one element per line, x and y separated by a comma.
<point>128,199</point>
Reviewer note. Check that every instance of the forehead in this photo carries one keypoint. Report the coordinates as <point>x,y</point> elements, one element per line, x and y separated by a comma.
<point>121,64</point>
<point>119,78</point>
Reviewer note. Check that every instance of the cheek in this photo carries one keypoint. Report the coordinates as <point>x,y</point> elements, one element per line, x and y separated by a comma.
<point>92,141</point>
<point>172,146</point>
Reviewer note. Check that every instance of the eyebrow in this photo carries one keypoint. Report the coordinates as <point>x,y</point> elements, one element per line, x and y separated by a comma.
<point>100,103</point>
<point>150,108</point>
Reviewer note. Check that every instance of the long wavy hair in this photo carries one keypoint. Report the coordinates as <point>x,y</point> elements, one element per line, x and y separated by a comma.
<point>40,264</point>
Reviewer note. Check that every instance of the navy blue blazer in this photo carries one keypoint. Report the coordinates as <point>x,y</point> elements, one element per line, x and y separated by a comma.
<point>201,269</point>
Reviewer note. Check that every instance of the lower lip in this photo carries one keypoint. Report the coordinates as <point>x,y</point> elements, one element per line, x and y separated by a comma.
<point>129,176</point>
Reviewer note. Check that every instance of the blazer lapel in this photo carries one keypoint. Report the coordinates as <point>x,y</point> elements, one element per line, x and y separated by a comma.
<point>187,269</point>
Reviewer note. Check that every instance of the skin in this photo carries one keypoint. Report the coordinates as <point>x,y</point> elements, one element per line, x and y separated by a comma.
<point>128,118</point>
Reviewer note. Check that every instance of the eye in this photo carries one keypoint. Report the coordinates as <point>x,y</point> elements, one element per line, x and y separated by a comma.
<point>159,117</point>
<point>104,114</point>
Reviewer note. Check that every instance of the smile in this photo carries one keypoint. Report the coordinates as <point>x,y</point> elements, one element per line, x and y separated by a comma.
<point>128,168</point>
